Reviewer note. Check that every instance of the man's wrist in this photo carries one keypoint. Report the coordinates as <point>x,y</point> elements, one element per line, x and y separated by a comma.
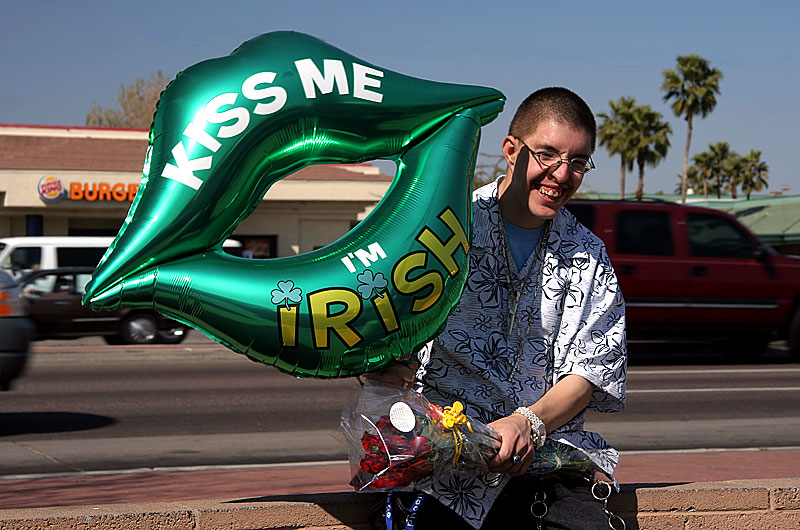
<point>538,430</point>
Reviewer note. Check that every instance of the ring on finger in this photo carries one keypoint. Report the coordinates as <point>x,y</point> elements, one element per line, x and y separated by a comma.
<point>516,459</point>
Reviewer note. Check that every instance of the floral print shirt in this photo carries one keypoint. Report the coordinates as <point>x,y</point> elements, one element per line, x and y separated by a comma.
<point>570,320</point>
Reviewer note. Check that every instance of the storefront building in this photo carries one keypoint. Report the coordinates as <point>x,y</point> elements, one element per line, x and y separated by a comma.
<point>80,181</point>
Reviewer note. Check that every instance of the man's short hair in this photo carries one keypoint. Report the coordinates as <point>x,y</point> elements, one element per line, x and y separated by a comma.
<point>553,103</point>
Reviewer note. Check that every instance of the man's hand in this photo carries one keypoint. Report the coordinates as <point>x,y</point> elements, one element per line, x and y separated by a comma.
<point>398,375</point>
<point>558,405</point>
<point>515,431</point>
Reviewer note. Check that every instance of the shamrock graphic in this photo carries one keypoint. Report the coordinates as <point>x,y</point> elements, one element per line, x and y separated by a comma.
<point>370,283</point>
<point>285,293</point>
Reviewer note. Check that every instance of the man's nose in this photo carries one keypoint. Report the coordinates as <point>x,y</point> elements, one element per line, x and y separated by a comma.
<point>561,174</point>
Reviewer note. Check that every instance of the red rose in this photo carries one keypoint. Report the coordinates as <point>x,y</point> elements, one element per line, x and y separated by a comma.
<point>388,480</point>
<point>374,462</point>
<point>371,443</point>
<point>397,444</point>
<point>378,483</point>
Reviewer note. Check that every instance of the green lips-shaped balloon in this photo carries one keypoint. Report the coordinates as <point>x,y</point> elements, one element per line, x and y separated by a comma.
<point>225,131</point>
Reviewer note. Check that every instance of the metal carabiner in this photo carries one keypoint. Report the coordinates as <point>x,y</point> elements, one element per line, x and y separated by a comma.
<point>602,491</point>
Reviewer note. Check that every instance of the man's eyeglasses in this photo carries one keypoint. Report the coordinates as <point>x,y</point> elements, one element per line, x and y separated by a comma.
<point>546,158</point>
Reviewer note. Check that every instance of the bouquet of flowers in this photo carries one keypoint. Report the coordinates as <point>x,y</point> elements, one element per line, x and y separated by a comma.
<point>396,436</point>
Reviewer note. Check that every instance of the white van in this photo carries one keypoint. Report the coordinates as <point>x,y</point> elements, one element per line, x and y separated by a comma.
<point>21,254</point>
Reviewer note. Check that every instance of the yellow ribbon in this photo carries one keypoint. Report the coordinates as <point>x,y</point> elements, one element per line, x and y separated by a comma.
<point>451,418</point>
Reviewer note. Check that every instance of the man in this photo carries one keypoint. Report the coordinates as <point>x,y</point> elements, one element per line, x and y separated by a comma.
<point>538,336</point>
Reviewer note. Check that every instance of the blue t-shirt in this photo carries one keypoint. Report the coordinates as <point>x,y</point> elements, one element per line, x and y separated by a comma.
<point>521,241</point>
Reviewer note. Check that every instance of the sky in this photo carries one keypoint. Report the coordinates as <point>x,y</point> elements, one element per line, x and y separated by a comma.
<point>58,58</point>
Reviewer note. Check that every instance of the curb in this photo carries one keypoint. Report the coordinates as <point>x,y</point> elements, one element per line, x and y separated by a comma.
<point>730,505</point>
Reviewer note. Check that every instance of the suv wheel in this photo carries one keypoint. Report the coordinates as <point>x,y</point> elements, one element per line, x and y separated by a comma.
<point>139,329</point>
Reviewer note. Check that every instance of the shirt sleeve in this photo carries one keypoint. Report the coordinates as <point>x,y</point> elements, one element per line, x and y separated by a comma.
<point>592,334</point>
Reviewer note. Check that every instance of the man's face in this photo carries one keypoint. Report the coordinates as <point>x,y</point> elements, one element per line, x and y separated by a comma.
<point>532,193</point>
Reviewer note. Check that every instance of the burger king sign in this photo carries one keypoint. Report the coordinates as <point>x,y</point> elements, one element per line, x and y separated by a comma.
<point>50,189</point>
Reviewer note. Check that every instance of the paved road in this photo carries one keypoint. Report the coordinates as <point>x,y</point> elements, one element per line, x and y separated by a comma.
<point>87,407</point>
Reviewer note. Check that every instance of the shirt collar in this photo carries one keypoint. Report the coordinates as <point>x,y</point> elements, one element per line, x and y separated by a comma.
<point>486,215</point>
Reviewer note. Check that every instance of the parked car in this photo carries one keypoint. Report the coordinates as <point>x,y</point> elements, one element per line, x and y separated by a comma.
<point>15,332</point>
<point>697,273</point>
<point>53,299</point>
<point>19,255</point>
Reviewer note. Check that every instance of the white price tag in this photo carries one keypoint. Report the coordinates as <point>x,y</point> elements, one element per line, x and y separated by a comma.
<point>402,417</point>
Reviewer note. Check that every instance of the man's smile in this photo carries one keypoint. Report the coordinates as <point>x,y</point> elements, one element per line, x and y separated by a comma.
<point>550,193</point>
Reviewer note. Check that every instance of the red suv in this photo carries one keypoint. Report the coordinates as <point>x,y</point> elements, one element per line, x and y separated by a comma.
<point>697,273</point>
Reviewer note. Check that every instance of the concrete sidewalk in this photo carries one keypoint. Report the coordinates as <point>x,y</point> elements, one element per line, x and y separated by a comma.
<point>21,457</point>
<point>142,486</point>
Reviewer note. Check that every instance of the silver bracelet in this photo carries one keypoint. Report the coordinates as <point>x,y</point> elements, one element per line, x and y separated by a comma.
<point>538,430</point>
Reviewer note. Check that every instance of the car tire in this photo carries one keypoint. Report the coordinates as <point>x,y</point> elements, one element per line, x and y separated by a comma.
<point>140,328</point>
<point>170,337</point>
<point>793,337</point>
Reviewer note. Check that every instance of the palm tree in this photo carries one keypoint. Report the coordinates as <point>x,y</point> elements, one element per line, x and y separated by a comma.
<point>615,135</point>
<point>692,88</point>
<point>650,142</point>
<point>699,172</point>
<point>735,168</point>
<point>694,181</point>
<point>755,175</point>
<point>718,155</point>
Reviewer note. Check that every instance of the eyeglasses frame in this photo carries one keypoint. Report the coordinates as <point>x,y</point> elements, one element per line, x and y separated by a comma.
<point>537,154</point>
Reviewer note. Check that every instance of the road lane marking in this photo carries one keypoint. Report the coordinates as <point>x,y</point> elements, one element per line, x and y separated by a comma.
<point>715,371</point>
<point>704,450</point>
<point>725,389</point>
<point>123,347</point>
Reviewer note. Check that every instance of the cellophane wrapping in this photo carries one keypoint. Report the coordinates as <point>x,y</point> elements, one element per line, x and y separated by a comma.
<point>396,436</point>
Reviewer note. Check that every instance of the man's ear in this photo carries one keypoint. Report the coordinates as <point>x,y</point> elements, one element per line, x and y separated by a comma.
<point>510,150</point>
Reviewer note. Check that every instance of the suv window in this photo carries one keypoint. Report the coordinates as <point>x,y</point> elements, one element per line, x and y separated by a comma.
<point>712,236</point>
<point>39,285</point>
<point>584,213</point>
<point>79,256</point>
<point>24,258</point>
<point>80,282</point>
<point>645,232</point>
